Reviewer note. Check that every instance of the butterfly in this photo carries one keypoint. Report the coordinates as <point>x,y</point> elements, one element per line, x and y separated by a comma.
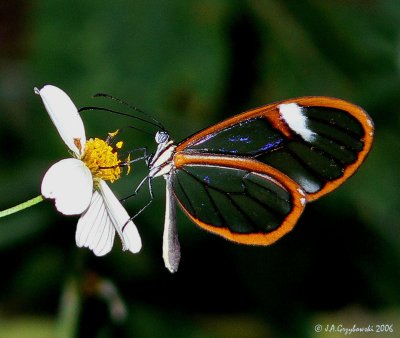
<point>249,177</point>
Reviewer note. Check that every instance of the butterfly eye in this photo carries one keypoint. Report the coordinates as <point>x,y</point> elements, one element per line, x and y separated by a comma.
<point>161,137</point>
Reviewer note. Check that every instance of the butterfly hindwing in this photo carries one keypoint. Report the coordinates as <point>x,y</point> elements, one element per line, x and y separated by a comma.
<point>239,199</point>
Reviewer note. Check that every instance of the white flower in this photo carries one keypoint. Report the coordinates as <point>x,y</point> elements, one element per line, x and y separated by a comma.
<point>78,184</point>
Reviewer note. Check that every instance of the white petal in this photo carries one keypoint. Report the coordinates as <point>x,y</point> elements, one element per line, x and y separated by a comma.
<point>65,117</point>
<point>70,183</point>
<point>123,225</point>
<point>95,229</point>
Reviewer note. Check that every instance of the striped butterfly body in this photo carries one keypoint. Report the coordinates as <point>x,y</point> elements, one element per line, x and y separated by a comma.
<point>248,178</point>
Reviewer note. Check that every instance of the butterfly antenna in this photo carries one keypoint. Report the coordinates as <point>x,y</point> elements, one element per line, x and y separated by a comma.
<point>158,123</point>
<point>138,129</point>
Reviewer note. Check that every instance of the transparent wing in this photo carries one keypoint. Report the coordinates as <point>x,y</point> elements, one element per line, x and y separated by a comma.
<point>241,200</point>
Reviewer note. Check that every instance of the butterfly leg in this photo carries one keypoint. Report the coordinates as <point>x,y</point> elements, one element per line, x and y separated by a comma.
<point>151,198</point>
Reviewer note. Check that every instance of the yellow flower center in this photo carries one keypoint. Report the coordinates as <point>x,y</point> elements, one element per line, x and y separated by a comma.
<point>102,160</point>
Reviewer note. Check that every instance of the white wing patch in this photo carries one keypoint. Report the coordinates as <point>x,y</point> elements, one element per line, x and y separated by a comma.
<point>293,115</point>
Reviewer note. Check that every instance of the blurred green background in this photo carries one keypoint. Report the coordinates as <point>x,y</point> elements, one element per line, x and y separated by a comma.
<point>191,63</point>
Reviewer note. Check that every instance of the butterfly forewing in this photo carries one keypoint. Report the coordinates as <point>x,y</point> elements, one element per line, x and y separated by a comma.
<point>250,137</point>
<point>317,141</point>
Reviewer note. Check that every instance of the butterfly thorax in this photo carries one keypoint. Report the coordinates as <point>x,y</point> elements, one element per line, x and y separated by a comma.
<point>161,163</point>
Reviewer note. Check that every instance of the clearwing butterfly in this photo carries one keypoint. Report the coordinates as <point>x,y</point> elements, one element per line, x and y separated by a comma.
<point>248,178</point>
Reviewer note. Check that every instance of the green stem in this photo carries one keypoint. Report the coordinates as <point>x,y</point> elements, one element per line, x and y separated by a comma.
<point>70,308</point>
<point>22,206</point>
